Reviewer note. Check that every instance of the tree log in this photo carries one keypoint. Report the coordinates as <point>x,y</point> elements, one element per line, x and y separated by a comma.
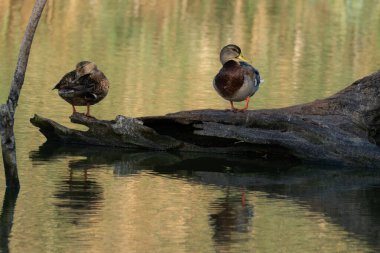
<point>342,129</point>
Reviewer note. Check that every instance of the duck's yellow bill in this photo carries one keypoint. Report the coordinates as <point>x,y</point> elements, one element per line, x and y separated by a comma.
<point>241,57</point>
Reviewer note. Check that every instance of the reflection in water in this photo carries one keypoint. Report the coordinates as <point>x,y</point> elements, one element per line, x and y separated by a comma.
<point>124,162</point>
<point>231,219</point>
<point>6,218</point>
<point>78,194</point>
<point>347,197</point>
<point>78,197</point>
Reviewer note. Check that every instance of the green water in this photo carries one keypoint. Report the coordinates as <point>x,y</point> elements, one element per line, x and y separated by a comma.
<point>161,57</point>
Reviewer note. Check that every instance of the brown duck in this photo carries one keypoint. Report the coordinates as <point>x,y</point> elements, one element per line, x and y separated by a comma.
<point>84,86</point>
<point>237,80</point>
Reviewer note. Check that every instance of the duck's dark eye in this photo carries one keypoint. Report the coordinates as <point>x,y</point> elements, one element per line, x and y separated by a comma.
<point>235,49</point>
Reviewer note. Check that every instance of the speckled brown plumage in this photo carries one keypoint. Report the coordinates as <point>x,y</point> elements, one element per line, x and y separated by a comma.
<point>84,86</point>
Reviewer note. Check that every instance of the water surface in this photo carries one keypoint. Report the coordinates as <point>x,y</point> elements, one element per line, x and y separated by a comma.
<point>160,57</point>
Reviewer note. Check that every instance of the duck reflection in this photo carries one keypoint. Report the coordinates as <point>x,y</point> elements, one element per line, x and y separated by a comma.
<point>6,218</point>
<point>78,192</point>
<point>230,215</point>
<point>78,196</point>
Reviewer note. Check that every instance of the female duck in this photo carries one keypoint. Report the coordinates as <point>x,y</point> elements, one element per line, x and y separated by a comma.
<point>84,86</point>
<point>237,80</point>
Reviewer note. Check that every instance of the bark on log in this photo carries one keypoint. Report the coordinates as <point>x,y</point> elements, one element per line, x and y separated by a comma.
<point>7,111</point>
<point>341,129</point>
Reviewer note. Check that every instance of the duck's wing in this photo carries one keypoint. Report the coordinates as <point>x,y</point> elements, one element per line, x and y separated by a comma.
<point>66,81</point>
<point>251,72</point>
<point>95,83</point>
<point>91,86</point>
<point>69,87</point>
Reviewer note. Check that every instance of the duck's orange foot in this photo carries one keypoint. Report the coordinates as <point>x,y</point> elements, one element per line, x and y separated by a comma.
<point>89,116</point>
<point>78,113</point>
<point>230,110</point>
<point>235,110</point>
<point>241,110</point>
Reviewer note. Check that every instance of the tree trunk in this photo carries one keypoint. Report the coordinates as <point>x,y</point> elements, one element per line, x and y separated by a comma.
<point>341,129</point>
<point>7,111</point>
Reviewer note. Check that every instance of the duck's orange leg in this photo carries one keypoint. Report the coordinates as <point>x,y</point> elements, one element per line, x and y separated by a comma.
<point>246,104</point>
<point>234,109</point>
<point>88,111</point>
<point>74,111</point>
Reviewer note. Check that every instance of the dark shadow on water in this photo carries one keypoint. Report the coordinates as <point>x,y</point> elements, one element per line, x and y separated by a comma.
<point>6,218</point>
<point>349,196</point>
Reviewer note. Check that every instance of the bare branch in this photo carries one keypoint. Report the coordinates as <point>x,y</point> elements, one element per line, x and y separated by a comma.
<point>8,143</point>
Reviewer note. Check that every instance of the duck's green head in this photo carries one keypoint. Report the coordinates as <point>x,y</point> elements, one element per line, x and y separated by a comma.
<point>231,52</point>
<point>85,68</point>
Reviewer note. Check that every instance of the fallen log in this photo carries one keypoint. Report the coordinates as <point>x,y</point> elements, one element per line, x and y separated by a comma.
<point>341,129</point>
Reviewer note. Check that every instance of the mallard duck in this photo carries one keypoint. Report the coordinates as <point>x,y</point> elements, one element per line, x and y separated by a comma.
<point>84,86</point>
<point>237,80</point>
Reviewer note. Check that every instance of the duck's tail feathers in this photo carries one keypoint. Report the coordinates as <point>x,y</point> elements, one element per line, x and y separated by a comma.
<point>56,86</point>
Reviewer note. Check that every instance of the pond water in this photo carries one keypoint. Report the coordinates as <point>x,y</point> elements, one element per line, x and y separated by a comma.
<point>160,57</point>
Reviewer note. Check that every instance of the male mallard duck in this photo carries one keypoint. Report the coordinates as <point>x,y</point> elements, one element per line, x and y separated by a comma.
<point>84,86</point>
<point>237,80</point>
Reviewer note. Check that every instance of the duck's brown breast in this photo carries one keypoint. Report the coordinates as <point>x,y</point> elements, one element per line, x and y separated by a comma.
<point>229,79</point>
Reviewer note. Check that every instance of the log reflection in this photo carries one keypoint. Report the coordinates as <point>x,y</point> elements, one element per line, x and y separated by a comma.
<point>346,195</point>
